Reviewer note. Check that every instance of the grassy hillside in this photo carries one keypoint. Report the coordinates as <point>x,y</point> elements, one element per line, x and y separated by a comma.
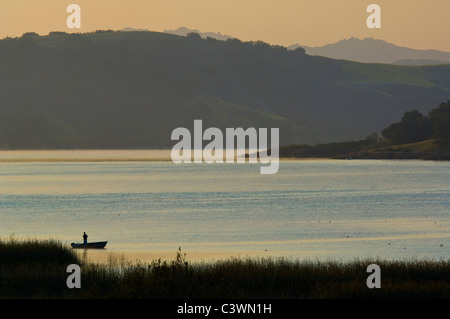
<point>414,137</point>
<point>370,148</point>
<point>131,89</point>
<point>428,149</point>
<point>371,73</point>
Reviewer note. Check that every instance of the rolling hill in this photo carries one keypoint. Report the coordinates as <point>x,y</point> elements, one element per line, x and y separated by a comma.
<point>131,89</point>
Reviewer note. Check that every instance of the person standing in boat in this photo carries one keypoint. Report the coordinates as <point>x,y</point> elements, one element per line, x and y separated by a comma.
<point>85,236</point>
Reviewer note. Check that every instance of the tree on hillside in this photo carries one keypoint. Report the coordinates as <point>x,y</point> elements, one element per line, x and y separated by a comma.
<point>30,34</point>
<point>194,36</point>
<point>57,33</point>
<point>440,118</point>
<point>413,127</point>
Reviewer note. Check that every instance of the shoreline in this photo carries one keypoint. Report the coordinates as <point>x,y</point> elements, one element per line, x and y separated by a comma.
<point>162,155</point>
<point>104,257</point>
<point>240,278</point>
<point>98,156</point>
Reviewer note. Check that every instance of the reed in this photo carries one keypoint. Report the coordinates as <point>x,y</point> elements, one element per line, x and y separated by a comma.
<point>37,269</point>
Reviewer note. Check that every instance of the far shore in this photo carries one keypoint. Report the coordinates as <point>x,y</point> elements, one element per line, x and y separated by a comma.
<point>14,156</point>
<point>92,156</point>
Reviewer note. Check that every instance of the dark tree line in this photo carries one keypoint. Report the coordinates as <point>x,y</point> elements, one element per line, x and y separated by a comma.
<point>415,127</point>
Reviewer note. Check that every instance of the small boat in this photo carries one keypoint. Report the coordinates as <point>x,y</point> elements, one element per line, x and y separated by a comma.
<point>98,244</point>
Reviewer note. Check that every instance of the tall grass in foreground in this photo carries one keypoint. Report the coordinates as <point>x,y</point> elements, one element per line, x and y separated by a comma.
<point>34,268</point>
<point>37,269</point>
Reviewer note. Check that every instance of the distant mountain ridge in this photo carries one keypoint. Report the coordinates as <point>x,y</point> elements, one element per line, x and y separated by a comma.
<point>366,50</point>
<point>370,50</point>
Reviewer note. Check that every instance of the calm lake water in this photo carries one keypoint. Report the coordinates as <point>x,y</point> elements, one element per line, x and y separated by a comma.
<point>316,209</point>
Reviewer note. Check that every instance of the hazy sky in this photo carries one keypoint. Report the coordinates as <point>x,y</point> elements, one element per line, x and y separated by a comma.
<point>417,24</point>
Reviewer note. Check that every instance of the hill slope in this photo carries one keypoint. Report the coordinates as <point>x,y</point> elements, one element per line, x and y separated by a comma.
<point>131,89</point>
